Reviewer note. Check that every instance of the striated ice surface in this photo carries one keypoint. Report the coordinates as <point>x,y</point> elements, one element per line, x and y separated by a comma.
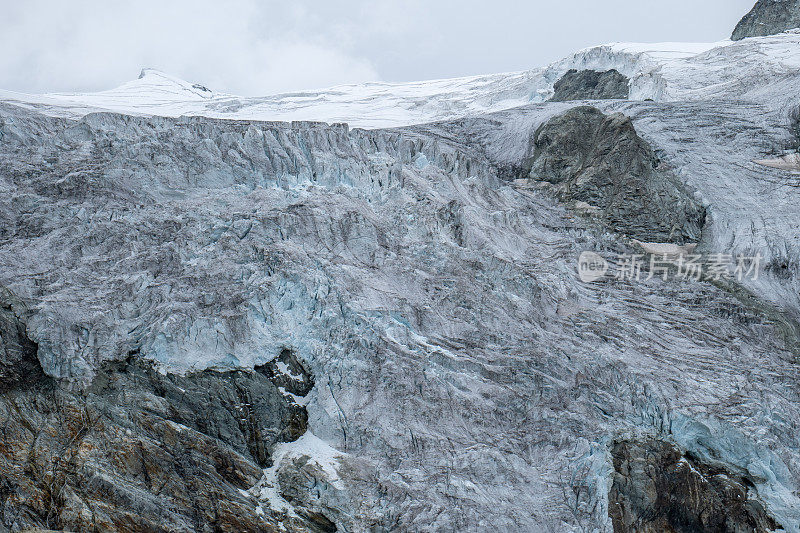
<point>466,379</point>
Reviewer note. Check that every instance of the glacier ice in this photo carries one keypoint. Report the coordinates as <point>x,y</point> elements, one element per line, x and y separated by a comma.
<point>465,378</point>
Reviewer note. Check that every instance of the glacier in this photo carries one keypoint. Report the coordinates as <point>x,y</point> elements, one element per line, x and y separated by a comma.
<point>465,378</point>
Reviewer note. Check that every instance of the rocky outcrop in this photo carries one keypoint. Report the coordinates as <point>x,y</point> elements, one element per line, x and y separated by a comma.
<point>600,163</point>
<point>18,353</point>
<point>657,488</point>
<point>768,17</point>
<point>289,373</point>
<point>144,451</point>
<point>590,85</point>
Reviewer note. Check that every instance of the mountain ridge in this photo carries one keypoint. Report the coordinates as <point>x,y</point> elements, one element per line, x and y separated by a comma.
<point>661,72</point>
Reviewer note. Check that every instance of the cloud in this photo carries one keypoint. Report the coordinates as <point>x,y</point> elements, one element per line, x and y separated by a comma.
<point>239,46</point>
<point>258,47</point>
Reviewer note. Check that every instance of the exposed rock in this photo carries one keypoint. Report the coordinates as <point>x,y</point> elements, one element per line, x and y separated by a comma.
<point>244,410</point>
<point>590,85</point>
<point>659,489</point>
<point>789,160</point>
<point>288,372</point>
<point>320,522</point>
<point>600,160</point>
<point>794,127</point>
<point>18,353</point>
<point>143,451</point>
<point>768,17</point>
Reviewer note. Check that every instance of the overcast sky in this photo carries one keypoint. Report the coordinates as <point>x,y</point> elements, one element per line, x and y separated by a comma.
<point>253,47</point>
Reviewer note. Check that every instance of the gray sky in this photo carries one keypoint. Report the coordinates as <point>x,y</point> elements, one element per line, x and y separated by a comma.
<point>256,47</point>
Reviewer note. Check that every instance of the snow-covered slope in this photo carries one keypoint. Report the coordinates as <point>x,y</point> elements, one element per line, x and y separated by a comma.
<point>661,72</point>
<point>366,105</point>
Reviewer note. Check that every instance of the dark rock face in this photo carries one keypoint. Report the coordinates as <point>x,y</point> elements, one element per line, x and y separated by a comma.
<point>143,451</point>
<point>243,410</point>
<point>600,160</point>
<point>590,85</point>
<point>288,372</point>
<point>18,354</point>
<point>659,489</point>
<point>768,17</point>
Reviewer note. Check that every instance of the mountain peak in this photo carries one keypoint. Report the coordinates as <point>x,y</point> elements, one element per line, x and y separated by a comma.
<point>160,81</point>
<point>148,71</point>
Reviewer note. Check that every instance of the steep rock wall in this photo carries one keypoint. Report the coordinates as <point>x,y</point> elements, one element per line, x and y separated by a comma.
<point>768,17</point>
